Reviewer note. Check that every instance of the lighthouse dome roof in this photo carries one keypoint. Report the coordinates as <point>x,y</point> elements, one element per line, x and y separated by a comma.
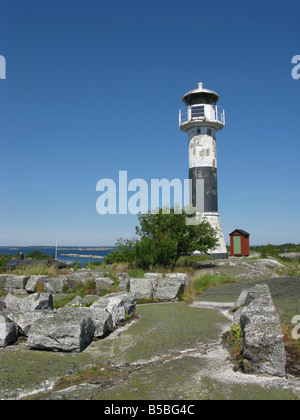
<point>193,96</point>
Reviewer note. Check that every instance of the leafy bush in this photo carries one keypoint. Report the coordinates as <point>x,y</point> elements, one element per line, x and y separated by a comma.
<point>75,265</point>
<point>37,255</point>
<point>125,252</point>
<point>3,260</point>
<point>269,250</point>
<point>164,238</point>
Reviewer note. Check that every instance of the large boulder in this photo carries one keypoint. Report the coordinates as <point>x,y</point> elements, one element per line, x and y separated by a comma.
<point>68,330</point>
<point>3,278</point>
<point>263,346</point>
<point>124,281</point>
<point>16,283</point>
<point>129,302</point>
<point>55,285</point>
<point>81,276</point>
<point>2,306</point>
<point>33,282</point>
<point>103,284</point>
<point>154,285</point>
<point>179,277</point>
<point>117,304</point>
<point>143,288</point>
<point>25,311</point>
<point>8,332</point>
<point>169,289</point>
<point>12,302</point>
<point>33,302</point>
<point>102,319</point>
<point>24,320</point>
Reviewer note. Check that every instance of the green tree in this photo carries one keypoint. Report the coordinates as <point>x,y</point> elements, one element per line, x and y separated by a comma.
<point>125,252</point>
<point>164,237</point>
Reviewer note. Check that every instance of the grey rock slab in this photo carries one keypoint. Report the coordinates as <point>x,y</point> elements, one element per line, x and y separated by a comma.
<point>24,320</point>
<point>33,302</point>
<point>68,330</point>
<point>102,319</point>
<point>103,284</point>
<point>8,332</point>
<point>2,306</point>
<point>143,288</point>
<point>118,304</point>
<point>185,278</point>
<point>124,280</point>
<point>16,282</point>
<point>33,281</point>
<point>169,289</point>
<point>263,346</point>
<point>3,278</point>
<point>55,285</point>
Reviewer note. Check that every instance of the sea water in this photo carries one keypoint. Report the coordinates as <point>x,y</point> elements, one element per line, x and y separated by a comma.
<point>69,254</point>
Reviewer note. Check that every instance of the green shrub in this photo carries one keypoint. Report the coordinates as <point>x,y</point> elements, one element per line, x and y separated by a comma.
<point>75,265</point>
<point>269,250</point>
<point>37,255</point>
<point>164,237</point>
<point>4,260</point>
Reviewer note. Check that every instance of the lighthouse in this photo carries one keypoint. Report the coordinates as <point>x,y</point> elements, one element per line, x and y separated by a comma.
<point>201,118</point>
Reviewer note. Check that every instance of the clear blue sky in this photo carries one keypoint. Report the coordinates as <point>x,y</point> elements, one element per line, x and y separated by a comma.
<point>94,87</point>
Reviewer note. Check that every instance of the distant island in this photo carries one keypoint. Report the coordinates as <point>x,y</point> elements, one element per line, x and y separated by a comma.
<point>81,256</point>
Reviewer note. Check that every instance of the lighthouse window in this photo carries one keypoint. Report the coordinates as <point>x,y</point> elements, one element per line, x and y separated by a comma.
<point>198,112</point>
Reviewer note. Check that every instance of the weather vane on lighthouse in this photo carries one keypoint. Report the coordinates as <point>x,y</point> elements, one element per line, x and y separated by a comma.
<point>201,119</point>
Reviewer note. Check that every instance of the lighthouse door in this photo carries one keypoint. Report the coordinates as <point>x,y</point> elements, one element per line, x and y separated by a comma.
<point>237,245</point>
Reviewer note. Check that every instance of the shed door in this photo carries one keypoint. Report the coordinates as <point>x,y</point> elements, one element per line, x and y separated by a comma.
<point>237,244</point>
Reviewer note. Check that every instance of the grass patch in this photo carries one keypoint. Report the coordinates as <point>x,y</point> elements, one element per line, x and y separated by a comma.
<point>201,284</point>
<point>39,268</point>
<point>86,288</point>
<point>143,301</point>
<point>234,340</point>
<point>136,273</point>
<point>98,374</point>
<point>59,302</point>
<point>191,259</point>
<point>95,265</point>
<point>291,267</point>
<point>292,348</point>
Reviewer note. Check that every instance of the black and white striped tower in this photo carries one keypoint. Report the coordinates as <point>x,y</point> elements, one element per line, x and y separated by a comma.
<point>201,119</point>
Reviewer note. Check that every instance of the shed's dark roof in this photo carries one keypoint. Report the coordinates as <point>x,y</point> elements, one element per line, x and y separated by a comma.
<point>241,231</point>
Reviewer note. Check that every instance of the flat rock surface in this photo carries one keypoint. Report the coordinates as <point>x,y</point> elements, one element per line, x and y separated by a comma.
<point>173,351</point>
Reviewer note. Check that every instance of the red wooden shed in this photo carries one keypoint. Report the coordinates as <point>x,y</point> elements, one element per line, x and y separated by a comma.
<point>239,243</point>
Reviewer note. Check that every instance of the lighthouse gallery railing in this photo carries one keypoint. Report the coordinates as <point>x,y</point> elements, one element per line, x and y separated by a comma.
<point>200,112</point>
